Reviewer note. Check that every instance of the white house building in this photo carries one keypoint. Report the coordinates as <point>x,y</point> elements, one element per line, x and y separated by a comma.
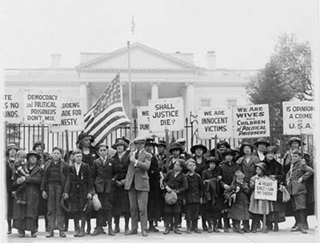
<point>154,75</point>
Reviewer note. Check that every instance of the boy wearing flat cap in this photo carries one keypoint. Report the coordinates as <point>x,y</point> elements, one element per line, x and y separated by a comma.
<point>193,197</point>
<point>298,173</point>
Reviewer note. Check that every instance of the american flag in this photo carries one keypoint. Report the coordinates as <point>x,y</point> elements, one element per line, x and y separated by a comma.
<point>107,113</point>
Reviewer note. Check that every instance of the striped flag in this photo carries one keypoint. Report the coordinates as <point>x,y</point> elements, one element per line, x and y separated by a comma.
<point>107,113</point>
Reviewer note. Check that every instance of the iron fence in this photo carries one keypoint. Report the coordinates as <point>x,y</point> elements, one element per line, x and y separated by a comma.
<point>25,136</point>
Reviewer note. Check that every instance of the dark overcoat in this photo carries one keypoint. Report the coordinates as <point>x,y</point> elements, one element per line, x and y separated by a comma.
<point>121,203</point>
<point>80,186</point>
<point>30,195</point>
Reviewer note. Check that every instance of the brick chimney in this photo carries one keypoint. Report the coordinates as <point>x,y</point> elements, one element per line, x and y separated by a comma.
<point>55,60</point>
<point>211,60</point>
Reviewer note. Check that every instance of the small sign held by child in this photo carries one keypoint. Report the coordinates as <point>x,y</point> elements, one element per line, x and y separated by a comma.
<point>265,189</point>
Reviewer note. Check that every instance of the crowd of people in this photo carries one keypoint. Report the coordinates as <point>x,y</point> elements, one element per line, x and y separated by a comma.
<point>139,180</point>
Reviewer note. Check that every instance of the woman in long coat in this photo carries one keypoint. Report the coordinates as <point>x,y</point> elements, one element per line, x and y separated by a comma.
<point>89,154</point>
<point>11,152</point>
<point>154,198</point>
<point>25,215</point>
<point>275,172</point>
<point>121,205</point>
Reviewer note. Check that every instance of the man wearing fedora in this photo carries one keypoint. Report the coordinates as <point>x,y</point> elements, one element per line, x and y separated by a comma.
<point>294,144</point>
<point>137,183</point>
<point>54,186</point>
<point>154,197</point>
<point>261,144</point>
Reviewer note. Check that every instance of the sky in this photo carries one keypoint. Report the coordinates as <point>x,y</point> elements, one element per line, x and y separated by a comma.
<point>243,33</point>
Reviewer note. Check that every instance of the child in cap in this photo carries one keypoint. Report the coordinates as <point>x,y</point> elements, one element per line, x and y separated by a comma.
<point>193,197</point>
<point>298,173</point>
<point>239,201</point>
<point>212,194</point>
<point>175,181</point>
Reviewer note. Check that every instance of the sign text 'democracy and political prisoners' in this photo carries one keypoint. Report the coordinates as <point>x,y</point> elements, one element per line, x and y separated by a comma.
<point>42,107</point>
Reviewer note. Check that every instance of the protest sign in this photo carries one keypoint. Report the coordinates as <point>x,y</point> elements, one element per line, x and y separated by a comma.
<point>298,118</point>
<point>251,121</point>
<point>166,114</point>
<point>42,107</point>
<point>215,121</point>
<point>143,121</point>
<point>71,115</point>
<point>12,107</point>
<point>265,189</point>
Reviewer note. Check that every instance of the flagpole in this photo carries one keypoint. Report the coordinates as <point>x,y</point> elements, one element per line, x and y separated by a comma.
<point>130,95</point>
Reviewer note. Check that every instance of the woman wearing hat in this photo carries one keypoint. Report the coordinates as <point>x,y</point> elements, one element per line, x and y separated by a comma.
<point>154,198</point>
<point>38,146</point>
<point>275,172</point>
<point>228,168</point>
<point>261,144</point>
<point>84,143</point>
<point>221,147</point>
<point>201,165</point>
<point>247,165</point>
<point>11,152</point>
<point>89,154</point>
<point>25,215</point>
<point>175,150</point>
<point>121,205</point>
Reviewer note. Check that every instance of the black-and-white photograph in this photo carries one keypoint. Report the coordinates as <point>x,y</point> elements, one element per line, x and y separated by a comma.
<point>164,120</point>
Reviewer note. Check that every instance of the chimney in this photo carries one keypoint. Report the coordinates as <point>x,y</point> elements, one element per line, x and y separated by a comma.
<point>211,60</point>
<point>55,60</point>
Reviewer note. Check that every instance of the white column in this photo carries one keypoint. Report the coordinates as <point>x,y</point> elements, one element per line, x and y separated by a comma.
<point>85,96</point>
<point>189,99</point>
<point>154,91</point>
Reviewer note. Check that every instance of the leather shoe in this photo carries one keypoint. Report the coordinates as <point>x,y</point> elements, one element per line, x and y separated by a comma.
<point>62,234</point>
<point>117,229</point>
<point>97,231</point>
<point>303,230</point>
<point>177,231</point>
<point>110,231</point>
<point>132,232</point>
<point>22,234</point>
<point>295,229</point>
<point>166,231</point>
<point>276,227</point>
<point>82,233</point>
<point>33,234</point>
<point>51,234</point>
<point>144,233</point>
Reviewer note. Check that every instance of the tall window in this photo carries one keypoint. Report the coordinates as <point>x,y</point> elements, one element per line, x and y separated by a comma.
<point>231,102</point>
<point>205,102</point>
